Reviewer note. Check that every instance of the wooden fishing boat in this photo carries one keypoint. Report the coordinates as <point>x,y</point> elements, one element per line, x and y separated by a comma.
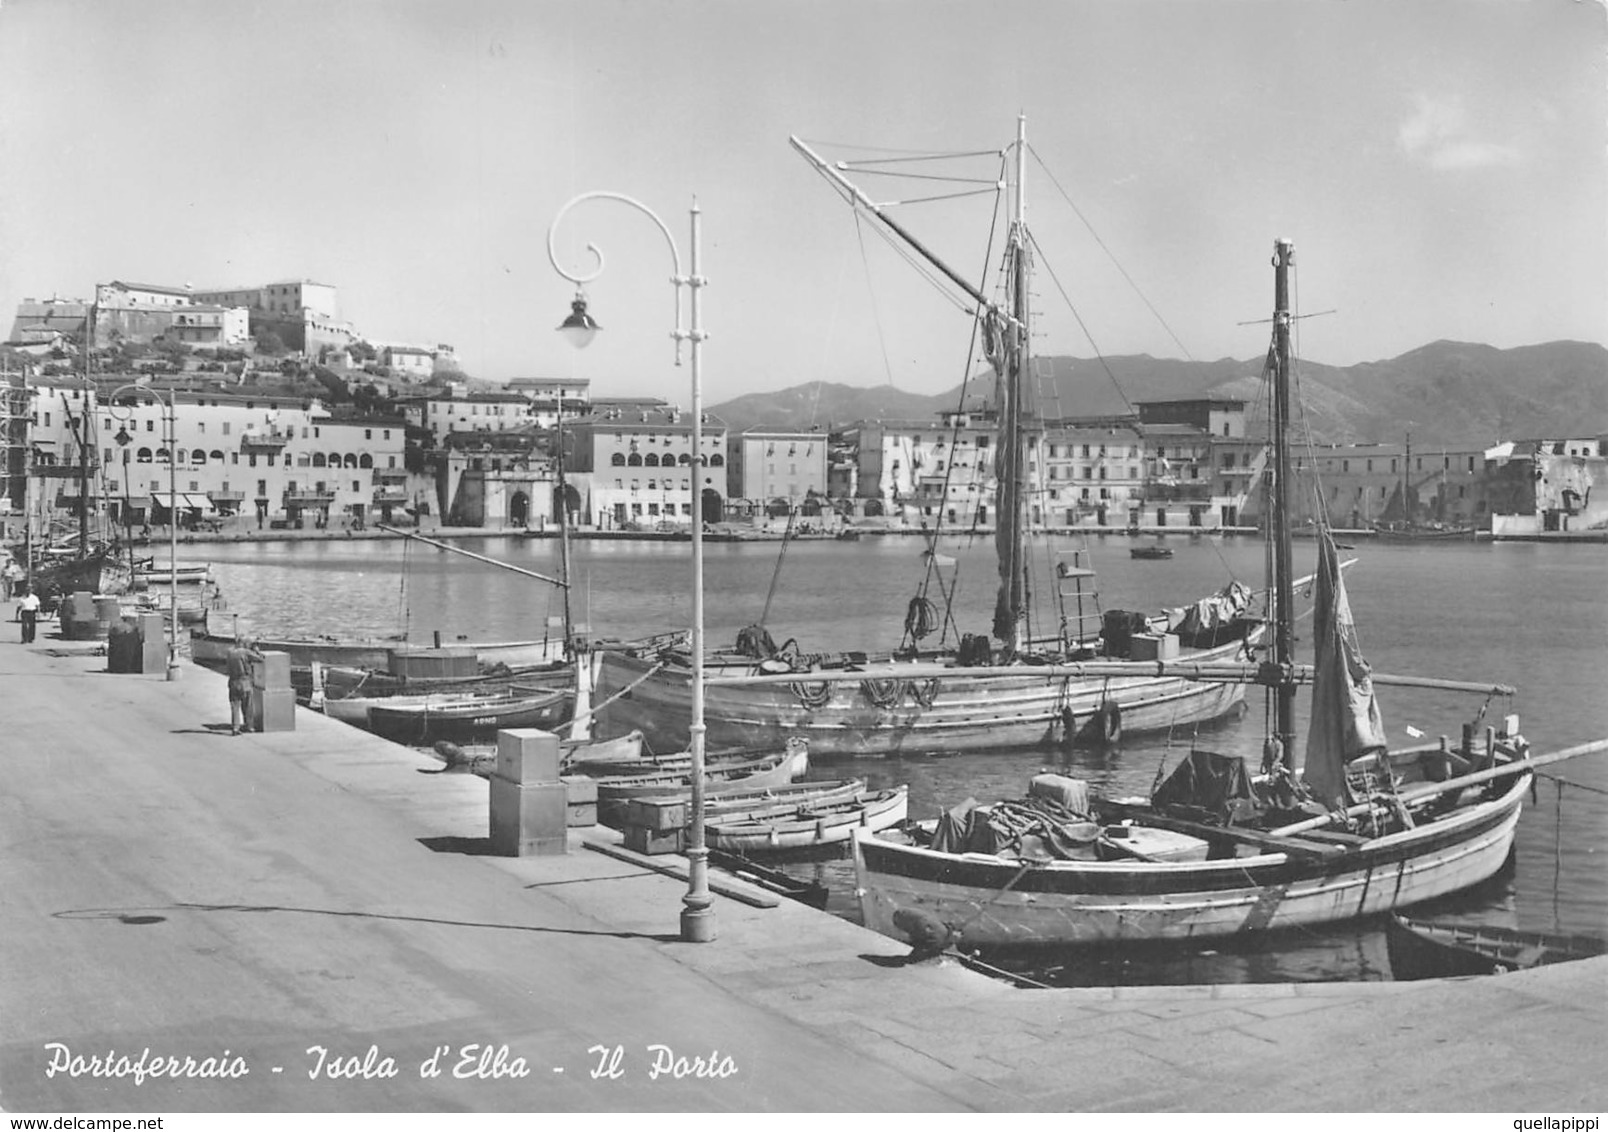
<point>1350,829</point>
<point>810,825</point>
<point>853,706</point>
<point>971,699</point>
<point>604,759</point>
<point>101,569</point>
<point>811,892</point>
<point>481,758</point>
<point>356,689</point>
<point>378,655</point>
<point>1431,949</point>
<point>188,573</point>
<point>734,781</point>
<point>466,717</point>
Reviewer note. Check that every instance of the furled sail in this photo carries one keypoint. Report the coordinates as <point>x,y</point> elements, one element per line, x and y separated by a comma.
<point>1346,723</point>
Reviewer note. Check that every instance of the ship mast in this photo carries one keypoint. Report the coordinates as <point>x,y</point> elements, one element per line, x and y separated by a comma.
<point>1010,607</point>
<point>1005,332</point>
<point>1284,597</point>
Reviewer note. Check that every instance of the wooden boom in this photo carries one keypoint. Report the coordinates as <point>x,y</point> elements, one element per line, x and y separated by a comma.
<point>1429,790</point>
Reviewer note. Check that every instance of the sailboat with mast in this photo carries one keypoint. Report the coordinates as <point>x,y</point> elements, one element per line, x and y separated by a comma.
<point>91,563</point>
<point>981,696</point>
<point>1341,829</point>
<point>1400,522</point>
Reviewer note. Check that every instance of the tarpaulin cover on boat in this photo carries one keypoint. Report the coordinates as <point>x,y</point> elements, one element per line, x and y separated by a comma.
<point>1034,827</point>
<point>1207,785</point>
<point>1214,620</point>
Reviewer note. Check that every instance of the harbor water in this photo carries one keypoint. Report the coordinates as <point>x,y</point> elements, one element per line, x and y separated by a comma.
<point>1531,615</point>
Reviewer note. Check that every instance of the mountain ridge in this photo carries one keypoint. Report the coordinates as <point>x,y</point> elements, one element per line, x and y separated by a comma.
<point>1444,392</point>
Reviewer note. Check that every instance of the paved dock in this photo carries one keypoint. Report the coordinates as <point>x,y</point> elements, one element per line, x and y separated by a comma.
<point>175,892</point>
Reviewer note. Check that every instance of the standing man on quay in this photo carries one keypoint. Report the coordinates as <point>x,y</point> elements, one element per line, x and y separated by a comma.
<point>11,578</point>
<point>240,663</point>
<point>28,610</point>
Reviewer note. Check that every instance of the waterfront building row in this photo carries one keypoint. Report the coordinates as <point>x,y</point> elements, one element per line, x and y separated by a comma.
<point>283,458</point>
<point>629,464</point>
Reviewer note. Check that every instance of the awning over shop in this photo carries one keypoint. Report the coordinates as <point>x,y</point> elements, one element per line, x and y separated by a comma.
<point>186,501</point>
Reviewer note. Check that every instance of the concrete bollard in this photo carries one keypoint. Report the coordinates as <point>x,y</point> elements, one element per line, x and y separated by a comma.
<point>153,642</point>
<point>273,700</point>
<point>76,617</point>
<point>528,802</point>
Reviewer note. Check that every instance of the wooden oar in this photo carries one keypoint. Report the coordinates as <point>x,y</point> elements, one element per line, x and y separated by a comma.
<point>1429,790</point>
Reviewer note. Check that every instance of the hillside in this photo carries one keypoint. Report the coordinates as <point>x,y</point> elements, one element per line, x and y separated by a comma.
<point>1452,393</point>
<point>825,404</point>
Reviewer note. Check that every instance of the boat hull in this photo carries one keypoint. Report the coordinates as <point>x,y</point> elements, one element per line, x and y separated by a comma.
<point>370,654</point>
<point>100,573</point>
<point>1430,950</point>
<point>887,715</point>
<point>459,720</point>
<point>730,782</point>
<point>810,826</point>
<point>990,901</point>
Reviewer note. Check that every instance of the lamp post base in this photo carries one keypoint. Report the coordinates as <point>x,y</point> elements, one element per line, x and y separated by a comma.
<point>173,670</point>
<point>697,925</point>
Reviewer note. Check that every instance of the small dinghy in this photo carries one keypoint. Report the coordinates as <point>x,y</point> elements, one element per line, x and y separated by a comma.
<point>1433,949</point>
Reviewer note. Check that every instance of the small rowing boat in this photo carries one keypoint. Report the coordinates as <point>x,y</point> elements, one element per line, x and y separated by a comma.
<point>1436,949</point>
<point>466,717</point>
<point>721,781</point>
<point>809,825</point>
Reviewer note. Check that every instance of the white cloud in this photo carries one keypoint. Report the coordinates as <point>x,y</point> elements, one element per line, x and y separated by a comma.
<point>1440,133</point>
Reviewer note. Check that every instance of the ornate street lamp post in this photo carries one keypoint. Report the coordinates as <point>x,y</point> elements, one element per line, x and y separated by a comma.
<point>698,914</point>
<point>170,435</point>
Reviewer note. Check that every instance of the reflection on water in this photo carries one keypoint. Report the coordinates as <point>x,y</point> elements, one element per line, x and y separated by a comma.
<point>1531,615</point>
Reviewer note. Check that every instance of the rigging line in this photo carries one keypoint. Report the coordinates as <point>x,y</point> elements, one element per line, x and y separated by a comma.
<point>1056,279</point>
<point>931,199</point>
<point>905,154</point>
<point>876,313</point>
<point>919,265</point>
<point>949,178</point>
<point>787,536</point>
<point>1115,262</point>
<point>1569,782</point>
<point>402,612</point>
<point>960,408</point>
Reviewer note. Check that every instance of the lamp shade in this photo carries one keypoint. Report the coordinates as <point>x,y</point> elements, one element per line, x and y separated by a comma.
<point>579,328</point>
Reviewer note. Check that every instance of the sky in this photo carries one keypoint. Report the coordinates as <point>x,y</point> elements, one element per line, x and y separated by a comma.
<point>1441,165</point>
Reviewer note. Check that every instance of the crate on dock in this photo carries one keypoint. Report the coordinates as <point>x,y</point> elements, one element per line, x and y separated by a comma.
<point>580,794</point>
<point>640,839</point>
<point>660,815</point>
